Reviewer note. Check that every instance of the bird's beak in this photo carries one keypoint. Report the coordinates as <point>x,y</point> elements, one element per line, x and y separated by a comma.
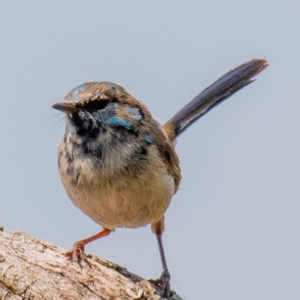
<point>65,107</point>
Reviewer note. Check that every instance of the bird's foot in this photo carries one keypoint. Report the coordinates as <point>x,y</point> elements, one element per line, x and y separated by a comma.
<point>77,253</point>
<point>163,284</point>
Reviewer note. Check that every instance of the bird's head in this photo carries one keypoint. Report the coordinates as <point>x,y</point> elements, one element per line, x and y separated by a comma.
<point>96,107</point>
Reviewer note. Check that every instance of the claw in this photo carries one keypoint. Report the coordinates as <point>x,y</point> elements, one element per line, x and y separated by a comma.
<point>77,253</point>
<point>163,284</point>
<point>78,249</point>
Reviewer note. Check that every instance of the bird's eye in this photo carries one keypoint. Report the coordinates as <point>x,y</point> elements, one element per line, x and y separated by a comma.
<point>96,105</point>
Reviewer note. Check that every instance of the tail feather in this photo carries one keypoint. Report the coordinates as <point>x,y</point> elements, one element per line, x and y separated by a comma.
<point>213,95</point>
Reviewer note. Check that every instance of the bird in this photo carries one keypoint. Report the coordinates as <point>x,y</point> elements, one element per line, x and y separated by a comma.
<point>119,165</point>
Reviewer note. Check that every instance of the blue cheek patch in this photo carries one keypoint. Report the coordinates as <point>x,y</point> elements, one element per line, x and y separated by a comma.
<point>135,112</point>
<point>119,122</point>
<point>109,111</point>
<point>149,139</point>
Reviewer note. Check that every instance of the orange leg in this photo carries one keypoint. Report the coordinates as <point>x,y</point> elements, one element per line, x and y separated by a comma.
<point>78,248</point>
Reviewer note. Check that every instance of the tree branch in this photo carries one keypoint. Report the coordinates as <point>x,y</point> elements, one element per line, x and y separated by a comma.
<point>35,269</point>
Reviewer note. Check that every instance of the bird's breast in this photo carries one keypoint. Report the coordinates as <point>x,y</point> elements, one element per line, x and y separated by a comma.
<point>123,198</point>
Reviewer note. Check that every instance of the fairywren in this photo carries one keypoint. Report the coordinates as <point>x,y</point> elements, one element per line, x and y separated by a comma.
<point>119,165</point>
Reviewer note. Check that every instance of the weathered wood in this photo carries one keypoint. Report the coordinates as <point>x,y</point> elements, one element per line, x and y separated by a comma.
<point>35,269</point>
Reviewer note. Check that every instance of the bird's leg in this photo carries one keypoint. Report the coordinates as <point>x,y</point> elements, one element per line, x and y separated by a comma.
<point>164,281</point>
<point>78,249</point>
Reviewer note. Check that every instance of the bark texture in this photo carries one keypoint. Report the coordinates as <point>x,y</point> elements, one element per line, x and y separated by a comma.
<point>35,269</point>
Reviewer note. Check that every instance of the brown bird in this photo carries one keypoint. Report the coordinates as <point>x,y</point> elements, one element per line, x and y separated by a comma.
<point>119,165</point>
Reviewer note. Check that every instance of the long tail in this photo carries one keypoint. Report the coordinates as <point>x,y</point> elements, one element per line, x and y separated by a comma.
<point>213,95</point>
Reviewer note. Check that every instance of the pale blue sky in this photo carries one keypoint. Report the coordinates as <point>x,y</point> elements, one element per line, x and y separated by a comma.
<point>233,229</point>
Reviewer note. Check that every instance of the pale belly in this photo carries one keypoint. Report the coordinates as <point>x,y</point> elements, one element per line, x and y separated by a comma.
<point>123,201</point>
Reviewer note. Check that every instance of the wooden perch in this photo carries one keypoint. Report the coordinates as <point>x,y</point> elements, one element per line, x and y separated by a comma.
<point>35,269</point>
